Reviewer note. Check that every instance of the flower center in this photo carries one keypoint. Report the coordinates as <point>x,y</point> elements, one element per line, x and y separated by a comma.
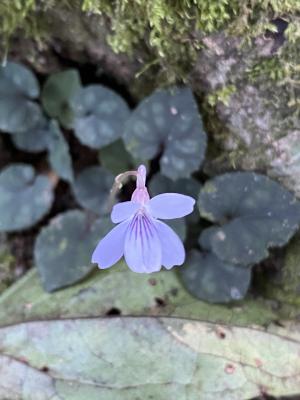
<point>140,196</point>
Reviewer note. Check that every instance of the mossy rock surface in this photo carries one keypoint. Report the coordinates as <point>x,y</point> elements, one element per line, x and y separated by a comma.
<point>250,95</point>
<point>241,62</point>
<point>6,264</point>
<point>282,283</point>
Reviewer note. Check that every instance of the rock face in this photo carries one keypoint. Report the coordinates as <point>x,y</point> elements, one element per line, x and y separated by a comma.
<point>73,37</point>
<point>248,87</point>
<point>258,124</point>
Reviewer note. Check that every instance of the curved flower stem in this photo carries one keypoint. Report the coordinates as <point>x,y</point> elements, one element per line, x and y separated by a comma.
<point>118,184</point>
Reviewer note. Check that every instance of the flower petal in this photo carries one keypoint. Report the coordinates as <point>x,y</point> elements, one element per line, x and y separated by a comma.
<point>173,252</point>
<point>170,205</point>
<point>122,211</point>
<point>111,248</point>
<point>142,250</point>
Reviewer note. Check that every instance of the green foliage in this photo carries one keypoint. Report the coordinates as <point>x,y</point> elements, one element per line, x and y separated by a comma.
<point>20,116</point>
<point>18,79</point>
<point>95,357</point>
<point>63,249</point>
<point>214,280</point>
<point>173,30</point>
<point>167,25</point>
<point>35,139</point>
<point>92,189</point>
<point>7,263</point>
<point>282,283</point>
<point>168,121</point>
<point>293,31</point>
<point>109,157</point>
<point>254,214</point>
<point>272,68</point>
<point>221,95</point>
<point>132,346</point>
<point>16,14</point>
<point>99,116</point>
<point>59,153</point>
<point>58,92</point>
<point>170,27</point>
<point>132,294</point>
<point>18,87</point>
<point>25,198</point>
<point>28,16</point>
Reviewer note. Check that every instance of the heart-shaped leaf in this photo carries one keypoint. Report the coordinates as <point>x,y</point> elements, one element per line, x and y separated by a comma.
<point>35,139</point>
<point>46,135</point>
<point>24,197</point>
<point>92,189</point>
<point>256,213</point>
<point>117,359</point>
<point>115,158</point>
<point>16,77</point>
<point>62,251</point>
<point>58,91</point>
<point>118,288</point>
<point>208,278</point>
<point>18,87</point>
<point>168,121</point>
<point>100,116</point>
<point>59,153</point>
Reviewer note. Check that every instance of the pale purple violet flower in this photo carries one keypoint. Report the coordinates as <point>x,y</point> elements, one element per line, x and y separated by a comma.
<point>145,242</point>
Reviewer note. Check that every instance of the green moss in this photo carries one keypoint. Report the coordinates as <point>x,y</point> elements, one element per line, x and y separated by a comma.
<point>28,17</point>
<point>270,68</point>
<point>284,286</point>
<point>13,14</point>
<point>289,284</point>
<point>6,266</point>
<point>221,95</point>
<point>19,15</point>
<point>172,29</point>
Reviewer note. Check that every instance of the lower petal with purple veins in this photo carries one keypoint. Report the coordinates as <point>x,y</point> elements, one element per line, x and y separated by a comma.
<point>111,248</point>
<point>142,250</point>
<point>173,252</point>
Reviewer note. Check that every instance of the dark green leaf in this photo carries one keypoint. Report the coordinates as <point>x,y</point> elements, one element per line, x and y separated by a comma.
<point>24,197</point>
<point>58,91</point>
<point>256,212</point>
<point>92,189</point>
<point>208,278</point>
<point>147,358</point>
<point>115,158</point>
<point>18,86</point>
<point>59,153</point>
<point>168,120</point>
<point>18,78</point>
<point>100,116</point>
<point>35,139</point>
<point>133,294</point>
<point>63,249</point>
